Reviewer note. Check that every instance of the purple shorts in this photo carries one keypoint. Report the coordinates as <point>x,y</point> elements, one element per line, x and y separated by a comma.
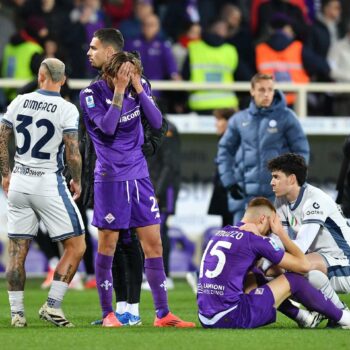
<point>125,204</point>
<point>253,310</point>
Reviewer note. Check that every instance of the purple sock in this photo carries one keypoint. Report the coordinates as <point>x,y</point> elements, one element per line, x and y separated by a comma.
<point>156,278</point>
<point>312,298</point>
<point>104,281</point>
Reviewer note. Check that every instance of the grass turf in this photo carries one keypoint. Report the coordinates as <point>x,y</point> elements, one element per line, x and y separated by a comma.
<point>82,307</point>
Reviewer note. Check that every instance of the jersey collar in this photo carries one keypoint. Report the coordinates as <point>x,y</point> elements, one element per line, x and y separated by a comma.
<point>299,199</point>
<point>48,93</point>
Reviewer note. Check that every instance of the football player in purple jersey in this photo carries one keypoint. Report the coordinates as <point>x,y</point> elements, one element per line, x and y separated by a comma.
<point>124,196</point>
<point>233,252</point>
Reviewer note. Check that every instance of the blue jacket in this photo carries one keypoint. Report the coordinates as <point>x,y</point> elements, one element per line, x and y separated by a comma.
<point>262,133</point>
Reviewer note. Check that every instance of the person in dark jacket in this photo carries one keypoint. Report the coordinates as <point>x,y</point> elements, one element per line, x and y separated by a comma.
<point>265,129</point>
<point>165,172</point>
<point>219,203</point>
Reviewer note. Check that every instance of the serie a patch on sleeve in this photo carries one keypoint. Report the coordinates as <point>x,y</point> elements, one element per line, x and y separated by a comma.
<point>90,101</point>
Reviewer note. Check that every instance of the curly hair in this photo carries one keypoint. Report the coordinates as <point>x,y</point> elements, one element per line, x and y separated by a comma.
<point>290,163</point>
<point>112,66</point>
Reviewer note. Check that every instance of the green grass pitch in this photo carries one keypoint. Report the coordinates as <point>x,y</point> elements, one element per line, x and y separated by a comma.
<point>82,307</point>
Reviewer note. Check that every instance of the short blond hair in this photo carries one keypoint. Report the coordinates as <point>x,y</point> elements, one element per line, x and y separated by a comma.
<point>260,76</point>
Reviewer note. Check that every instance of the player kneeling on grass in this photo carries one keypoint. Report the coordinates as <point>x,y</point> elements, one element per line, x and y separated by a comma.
<point>42,123</point>
<point>227,260</point>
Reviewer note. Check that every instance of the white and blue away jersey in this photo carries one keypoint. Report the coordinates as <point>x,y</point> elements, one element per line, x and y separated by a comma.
<point>313,206</point>
<point>39,120</point>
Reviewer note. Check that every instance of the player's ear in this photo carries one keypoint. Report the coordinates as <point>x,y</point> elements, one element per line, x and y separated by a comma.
<point>110,51</point>
<point>63,80</point>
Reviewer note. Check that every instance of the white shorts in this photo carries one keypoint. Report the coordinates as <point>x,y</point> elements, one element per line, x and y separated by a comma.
<point>338,273</point>
<point>59,214</point>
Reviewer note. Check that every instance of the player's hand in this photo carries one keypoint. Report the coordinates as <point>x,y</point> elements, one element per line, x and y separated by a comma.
<point>5,183</point>
<point>136,80</point>
<point>251,228</point>
<point>123,76</point>
<point>276,225</point>
<point>75,188</point>
<point>148,149</point>
<point>236,191</point>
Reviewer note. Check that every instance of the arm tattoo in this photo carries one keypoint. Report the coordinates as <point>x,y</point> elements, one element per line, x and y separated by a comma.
<point>5,132</point>
<point>73,156</point>
<point>15,272</point>
<point>118,100</point>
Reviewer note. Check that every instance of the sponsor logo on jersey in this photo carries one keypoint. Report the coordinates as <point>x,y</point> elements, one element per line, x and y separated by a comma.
<point>90,101</point>
<point>316,205</point>
<point>312,212</point>
<point>88,91</point>
<point>23,170</point>
<point>108,101</point>
<point>128,117</point>
<point>42,106</point>
<point>211,288</point>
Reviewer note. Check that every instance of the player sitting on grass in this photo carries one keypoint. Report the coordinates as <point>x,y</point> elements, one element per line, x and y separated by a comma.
<point>231,254</point>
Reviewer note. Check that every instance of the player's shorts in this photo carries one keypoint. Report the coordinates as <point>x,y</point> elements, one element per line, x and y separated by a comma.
<point>254,310</point>
<point>338,271</point>
<point>125,204</point>
<point>59,214</point>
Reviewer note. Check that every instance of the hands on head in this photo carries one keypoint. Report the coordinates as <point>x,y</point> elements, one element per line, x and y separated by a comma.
<point>127,73</point>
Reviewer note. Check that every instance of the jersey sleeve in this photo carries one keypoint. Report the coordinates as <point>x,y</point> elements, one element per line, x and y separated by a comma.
<point>267,248</point>
<point>315,211</point>
<point>10,114</point>
<point>70,120</point>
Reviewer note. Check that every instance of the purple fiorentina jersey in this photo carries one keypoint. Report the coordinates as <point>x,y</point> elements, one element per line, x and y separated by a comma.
<point>228,257</point>
<point>119,156</point>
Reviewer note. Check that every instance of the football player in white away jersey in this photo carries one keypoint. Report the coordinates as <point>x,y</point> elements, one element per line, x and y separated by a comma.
<point>42,123</point>
<point>315,223</point>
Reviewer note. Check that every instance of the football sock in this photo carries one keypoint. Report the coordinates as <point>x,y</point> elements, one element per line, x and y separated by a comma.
<point>133,309</point>
<point>121,307</point>
<point>345,318</point>
<point>104,282</point>
<point>320,281</point>
<point>16,299</point>
<point>119,274</point>
<point>288,309</point>
<point>156,278</point>
<point>56,294</point>
<point>134,261</point>
<point>311,297</point>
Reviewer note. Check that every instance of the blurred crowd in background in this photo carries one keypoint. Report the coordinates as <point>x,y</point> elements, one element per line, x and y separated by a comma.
<point>171,34</point>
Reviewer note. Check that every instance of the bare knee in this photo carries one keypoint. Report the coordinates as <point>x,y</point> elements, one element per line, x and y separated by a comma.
<point>107,242</point>
<point>152,249</point>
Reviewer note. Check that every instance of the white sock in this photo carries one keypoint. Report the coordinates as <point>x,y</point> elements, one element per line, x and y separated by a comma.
<point>121,307</point>
<point>16,302</point>
<point>56,294</point>
<point>321,282</point>
<point>302,315</point>
<point>345,319</point>
<point>133,309</point>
